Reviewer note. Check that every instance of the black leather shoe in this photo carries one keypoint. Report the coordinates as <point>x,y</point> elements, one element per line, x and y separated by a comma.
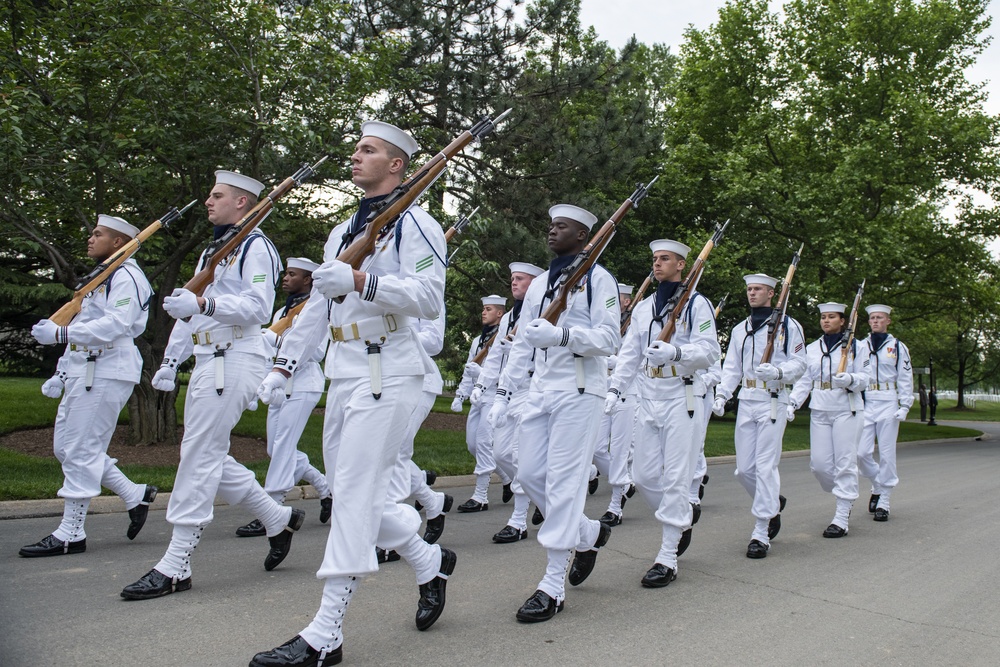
<point>658,576</point>
<point>297,652</point>
<point>881,514</point>
<point>281,543</point>
<point>757,549</point>
<point>609,518</point>
<point>155,584</point>
<point>583,563</point>
<point>507,493</point>
<point>435,526</point>
<point>384,556</point>
<point>833,530</point>
<point>537,517</point>
<point>137,515</point>
<point>774,525</point>
<point>431,477</point>
<point>873,502</point>
<point>593,484</point>
<point>684,542</point>
<point>539,607</point>
<point>325,509</point>
<point>253,529</point>
<point>50,546</point>
<point>471,505</point>
<point>631,491</point>
<point>701,487</point>
<point>510,534</point>
<point>432,598</point>
<point>695,513</point>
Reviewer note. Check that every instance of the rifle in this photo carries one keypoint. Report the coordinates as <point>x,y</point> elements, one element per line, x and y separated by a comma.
<point>387,211</point>
<point>721,305</point>
<point>281,326</point>
<point>848,339</point>
<point>675,306</point>
<point>627,313</point>
<point>100,273</point>
<point>774,323</point>
<point>231,240</point>
<point>459,226</point>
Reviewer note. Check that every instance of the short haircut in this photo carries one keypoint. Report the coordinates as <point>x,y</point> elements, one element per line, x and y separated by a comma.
<point>240,192</point>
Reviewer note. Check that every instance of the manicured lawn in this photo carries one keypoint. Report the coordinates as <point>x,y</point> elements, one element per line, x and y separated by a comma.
<point>985,411</point>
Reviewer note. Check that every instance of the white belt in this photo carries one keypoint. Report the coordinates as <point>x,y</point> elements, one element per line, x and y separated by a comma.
<point>761,384</point>
<point>370,328</point>
<point>881,386</point>
<point>219,337</point>
<point>822,385</point>
<point>77,347</point>
<point>662,372</point>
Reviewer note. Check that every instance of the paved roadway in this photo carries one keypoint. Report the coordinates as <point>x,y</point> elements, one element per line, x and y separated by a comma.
<point>920,589</point>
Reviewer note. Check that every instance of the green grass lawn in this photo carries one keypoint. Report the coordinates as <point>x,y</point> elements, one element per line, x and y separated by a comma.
<point>985,411</point>
<point>27,477</point>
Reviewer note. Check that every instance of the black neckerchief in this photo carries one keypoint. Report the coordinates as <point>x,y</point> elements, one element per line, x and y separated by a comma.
<point>484,337</point>
<point>292,301</point>
<point>758,316</point>
<point>557,265</point>
<point>878,340</point>
<point>832,342</point>
<point>218,231</point>
<point>515,312</point>
<point>359,220</point>
<point>664,292</point>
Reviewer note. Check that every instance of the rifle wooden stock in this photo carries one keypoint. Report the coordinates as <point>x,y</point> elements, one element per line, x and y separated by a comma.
<point>65,315</point>
<point>845,351</point>
<point>627,315</point>
<point>775,324</point>
<point>282,325</point>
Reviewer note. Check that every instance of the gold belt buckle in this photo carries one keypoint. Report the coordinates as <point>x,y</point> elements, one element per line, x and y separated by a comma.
<point>337,333</point>
<point>826,385</point>
<point>390,323</point>
<point>656,372</point>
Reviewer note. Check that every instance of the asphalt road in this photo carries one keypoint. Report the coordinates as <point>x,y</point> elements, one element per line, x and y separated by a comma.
<point>920,589</point>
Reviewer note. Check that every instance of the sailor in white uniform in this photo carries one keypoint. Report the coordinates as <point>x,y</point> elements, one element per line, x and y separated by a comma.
<point>97,372</point>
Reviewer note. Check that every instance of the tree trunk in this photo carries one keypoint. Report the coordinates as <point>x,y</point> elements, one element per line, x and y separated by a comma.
<point>152,414</point>
<point>961,384</point>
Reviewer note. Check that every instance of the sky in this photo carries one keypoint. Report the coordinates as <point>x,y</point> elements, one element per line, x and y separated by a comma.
<point>664,22</point>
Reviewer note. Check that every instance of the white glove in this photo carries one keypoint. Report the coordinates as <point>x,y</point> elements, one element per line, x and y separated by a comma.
<point>181,303</point>
<point>612,362</point>
<point>498,413</point>
<point>272,389</point>
<point>790,413</point>
<point>901,414</point>
<point>334,279</point>
<point>542,334</point>
<point>719,406</point>
<point>611,403</point>
<point>254,404</point>
<point>165,379</point>
<point>841,380</point>
<point>767,372</point>
<point>503,344</point>
<point>477,394</point>
<point>53,387</point>
<point>472,370</point>
<point>46,332</point>
<point>456,405</point>
<point>270,338</point>
<point>660,353</point>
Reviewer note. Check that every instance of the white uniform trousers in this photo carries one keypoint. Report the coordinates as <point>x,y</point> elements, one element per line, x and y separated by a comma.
<point>361,441</point>
<point>479,440</point>
<point>285,423</point>
<point>614,442</point>
<point>880,423</point>
<point>408,479</point>
<point>666,449</point>
<point>701,465</point>
<point>758,452</point>
<point>555,450</point>
<point>85,422</point>
<point>206,469</point>
<point>505,455</point>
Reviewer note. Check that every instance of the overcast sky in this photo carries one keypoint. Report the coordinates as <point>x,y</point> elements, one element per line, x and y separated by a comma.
<point>664,21</point>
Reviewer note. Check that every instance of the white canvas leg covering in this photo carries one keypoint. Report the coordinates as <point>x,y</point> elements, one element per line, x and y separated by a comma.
<point>554,581</point>
<point>313,476</point>
<point>843,512</point>
<point>433,502</point>
<point>326,632</point>
<point>668,546</point>
<point>114,479</point>
<point>177,561</point>
<point>481,494</point>
<point>519,517</point>
<point>272,514</point>
<point>615,506</point>
<point>425,559</point>
<point>278,497</point>
<point>74,514</point>
<point>883,499</point>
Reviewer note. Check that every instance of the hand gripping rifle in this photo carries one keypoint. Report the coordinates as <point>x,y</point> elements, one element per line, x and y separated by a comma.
<point>627,313</point>
<point>100,273</point>
<point>775,321</point>
<point>231,240</point>
<point>577,270</point>
<point>848,340</point>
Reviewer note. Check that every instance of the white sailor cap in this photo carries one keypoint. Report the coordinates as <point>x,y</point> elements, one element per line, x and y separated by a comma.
<point>392,134</point>
<point>878,308</point>
<point>574,213</point>
<point>760,279</point>
<point>524,267</point>
<point>832,307</point>
<point>624,289</point>
<point>494,300</point>
<point>672,246</point>
<point>301,263</point>
<point>117,224</point>
<point>251,185</point>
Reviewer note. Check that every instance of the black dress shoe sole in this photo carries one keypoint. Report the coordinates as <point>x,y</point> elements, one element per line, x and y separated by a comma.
<point>74,548</point>
<point>182,585</point>
<point>756,551</point>
<point>658,580</point>
<point>833,530</point>
<point>251,531</point>
<point>881,515</point>
<point>540,615</point>
<point>466,507</point>
<point>283,656</point>
<point>510,537</point>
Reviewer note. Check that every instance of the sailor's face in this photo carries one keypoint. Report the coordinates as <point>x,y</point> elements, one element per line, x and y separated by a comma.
<point>759,296</point>
<point>225,205</point>
<point>565,235</point>
<point>831,322</point>
<point>879,322</point>
<point>102,243</point>
<point>519,284</point>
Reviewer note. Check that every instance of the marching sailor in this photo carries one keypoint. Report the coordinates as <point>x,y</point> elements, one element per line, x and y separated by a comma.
<point>888,400</point>
<point>222,330</point>
<point>836,412</point>
<point>758,433</point>
<point>96,375</point>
